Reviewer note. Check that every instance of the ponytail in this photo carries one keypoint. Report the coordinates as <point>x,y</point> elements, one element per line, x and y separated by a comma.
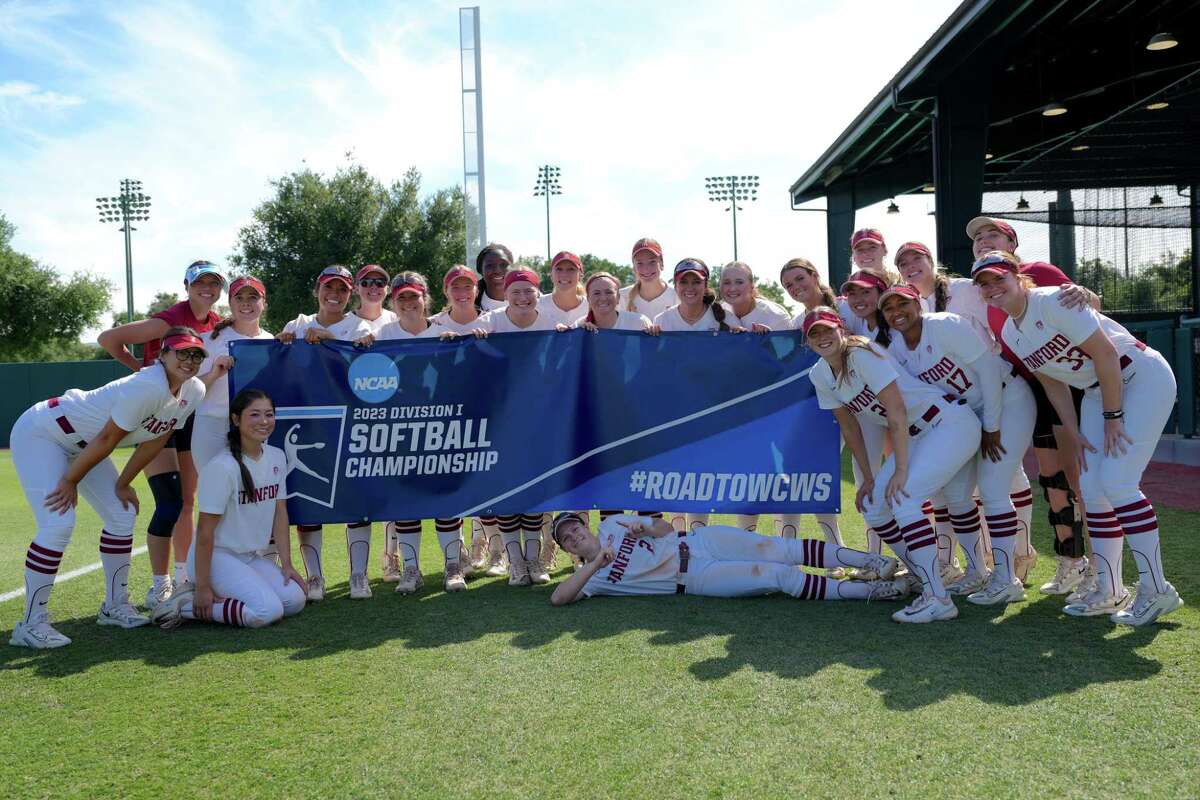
<point>234,437</point>
<point>941,290</point>
<point>828,298</point>
<point>883,333</point>
<point>718,310</point>
<point>220,326</point>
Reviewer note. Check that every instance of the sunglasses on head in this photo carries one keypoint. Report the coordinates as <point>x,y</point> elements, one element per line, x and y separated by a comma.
<point>377,283</point>
<point>193,354</point>
<point>341,272</point>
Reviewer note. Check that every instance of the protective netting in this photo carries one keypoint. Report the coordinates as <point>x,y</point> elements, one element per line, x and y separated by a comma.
<point>1124,243</point>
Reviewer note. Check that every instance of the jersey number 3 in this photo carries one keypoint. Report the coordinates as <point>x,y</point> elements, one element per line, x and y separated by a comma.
<point>1075,357</point>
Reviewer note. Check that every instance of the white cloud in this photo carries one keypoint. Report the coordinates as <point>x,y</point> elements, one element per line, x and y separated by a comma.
<point>29,93</point>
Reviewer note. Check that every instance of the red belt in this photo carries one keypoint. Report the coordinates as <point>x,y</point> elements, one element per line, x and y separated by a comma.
<point>65,424</point>
<point>1125,362</point>
<point>684,554</point>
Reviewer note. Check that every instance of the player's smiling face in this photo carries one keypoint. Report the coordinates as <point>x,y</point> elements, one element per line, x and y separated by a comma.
<point>998,290</point>
<point>247,305</point>
<point>869,255</point>
<point>737,287</point>
<point>205,290</point>
<point>408,304</point>
<point>257,420</point>
<point>802,287</point>
<point>565,275</point>
<point>915,269</point>
<point>900,312</point>
<point>602,296</point>
<point>577,540</point>
<point>494,267</point>
<point>862,301</point>
<point>333,295</point>
<point>522,297</point>
<point>462,292</point>
<point>825,340</point>
<point>369,293</point>
<point>690,288</point>
<point>989,238</point>
<point>646,265</point>
<point>182,364</point>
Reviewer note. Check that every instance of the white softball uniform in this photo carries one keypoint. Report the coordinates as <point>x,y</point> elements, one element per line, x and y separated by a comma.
<point>212,418</point>
<point>854,323</point>
<point>626,321</point>
<point>348,329</point>
<point>765,312</point>
<point>672,320</point>
<point>963,299</point>
<point>386,317</point>
<point>51,434</point>
<point>393,330</point>
<point>649,308</point>
<point>488,304</point>
<point>548,308</point>
<point>443,320</point>
<point>499,322</point>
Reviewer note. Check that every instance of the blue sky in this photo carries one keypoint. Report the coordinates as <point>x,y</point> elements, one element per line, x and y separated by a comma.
<point>637,103</point>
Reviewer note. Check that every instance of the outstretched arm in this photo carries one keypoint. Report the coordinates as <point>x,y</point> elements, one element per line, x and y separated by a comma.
<point>571,589</point>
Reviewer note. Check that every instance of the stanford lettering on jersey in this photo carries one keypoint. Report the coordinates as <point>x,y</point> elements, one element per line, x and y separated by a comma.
<point>260,493</point>
<point>939,371</point>
<point>621,560</point>
<point>158,426</point>
<point>863,400</point>
<point>1058,345</point>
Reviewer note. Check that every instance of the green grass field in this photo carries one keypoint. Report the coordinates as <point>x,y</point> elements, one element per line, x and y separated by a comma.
<point>494,693</point>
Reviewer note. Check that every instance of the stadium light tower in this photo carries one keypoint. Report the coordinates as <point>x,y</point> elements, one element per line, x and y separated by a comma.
<point>547,184</point>
<point>126,208</point>
<point>732,189</point>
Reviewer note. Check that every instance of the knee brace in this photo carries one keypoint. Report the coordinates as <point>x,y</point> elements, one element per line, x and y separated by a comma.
<point>1069,515</point>
<point>168,503</point>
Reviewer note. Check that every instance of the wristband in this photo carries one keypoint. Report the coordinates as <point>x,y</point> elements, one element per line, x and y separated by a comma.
<point>1118,414</point>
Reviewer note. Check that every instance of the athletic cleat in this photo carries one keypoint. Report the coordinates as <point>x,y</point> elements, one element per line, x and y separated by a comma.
<point>518,573</point>
<point>316,588</point>
<point>360,587</point>
<point>410,581</point>
<point>539,575</point>
<point>884,567</point>
<point>950,573</point>
<point>886,590</point>
<point>1024,564</point>
<point>1098,604</point>
<point>927,608</point>
<point>1068,574</point>
<point>998,591</point>
<point>1148,606</point>
<point>1085,586</point>
<point>496,568</point>
<point>169,614</point>
<point>156,594</point>
<point>391,568</point>
<point>969,583</point>
<point>123,615</point>
<point>479,552</point>
<point>38,633</point>
<point>914,584</point>
<point>455,582</point>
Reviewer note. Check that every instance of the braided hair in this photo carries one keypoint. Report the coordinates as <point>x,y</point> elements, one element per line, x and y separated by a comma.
<point>234,437</point>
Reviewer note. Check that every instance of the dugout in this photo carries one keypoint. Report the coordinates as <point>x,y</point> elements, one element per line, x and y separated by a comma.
<point>1076,120</point>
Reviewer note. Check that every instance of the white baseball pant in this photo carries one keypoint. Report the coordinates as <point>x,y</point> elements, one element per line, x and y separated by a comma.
<point>209,438</point>
<point>254,581</point>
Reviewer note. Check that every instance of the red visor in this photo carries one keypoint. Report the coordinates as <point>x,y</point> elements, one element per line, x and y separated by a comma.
<point>867,280</point>
<point>646,243</point>
<point>866,235</point>
<point>253,283</point>
<point>912,247</point>
<point>182,341</point>
<point>900,290</point>
<point>566,255</point>
<point>822,318</point>
<point>459,271</point>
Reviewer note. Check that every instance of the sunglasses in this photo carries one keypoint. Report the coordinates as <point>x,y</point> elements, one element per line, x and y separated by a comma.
<point>377,283</point>
<point>192,354</point>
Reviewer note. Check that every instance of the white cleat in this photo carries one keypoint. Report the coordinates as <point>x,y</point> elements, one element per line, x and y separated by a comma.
<point>38,633</point>
<point>969,583</point>
<point>391,568</point>
<point>539,575</point>
<point>1099,604</point>
<point>455,581</point>
<point>360,587</point>
<point>951,573</point>
<point>1023,565</point>
<point>927,608</point>
<point>122,615</point>
<point>497,566</point>
<point>1086,586</point>
<point>169,613</point>
<point>884,567</point>
<point>410,581</point>
<point>157,594</point>
<point>316,589</point>
<point>518,573</point>
<point>1068,574</point>
<point>887,590</point>
<point>1149,606</point>
<point>998,591</point>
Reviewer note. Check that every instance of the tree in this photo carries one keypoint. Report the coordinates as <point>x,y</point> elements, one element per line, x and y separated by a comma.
<point>41,314</point>
<point>348,218</point>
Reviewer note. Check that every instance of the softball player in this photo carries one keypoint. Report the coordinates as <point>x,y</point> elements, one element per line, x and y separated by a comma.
<point>868,253</point>
<point>331,322</point>
<point>649,295</point>
<point>567,303</point>
<point>492,263</point>
<point>242,512</point>
<point>1123,412</point>
<point>932,439</point>
<point>946,351</point>
<point>639,556</point>
<point>172,475</point>
<point>371,287</point>
<point>604,312</point>
<point>61,447</point>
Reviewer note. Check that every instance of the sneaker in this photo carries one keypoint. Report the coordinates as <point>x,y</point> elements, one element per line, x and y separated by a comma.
<point>38,633</point>
<point>886,590</point>
<point>122,615</point>
<point>316,588</point>
<point>1085,586</point>
<point>479,552</point>
<point>969,583</point>
<point>455,582</point>
<point>410,581</point>
<point>914,584</point>
<point>950,573</point>
<point>1068,574</point>
<point>998,591</point>
<point>518,573</point>
<point>156,594</point>
<point>927,608</point>
<point>360,587</point>
<point>169,614</point>
<point>883,567</point>
<point>497,566</point>
<point>538,573</point>
<point>391,568</point>
<point>1149,606</point>
<point>1024,564</point>
<point>1098,603</point>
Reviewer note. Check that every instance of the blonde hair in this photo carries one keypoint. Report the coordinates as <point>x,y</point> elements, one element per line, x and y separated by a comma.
<point>635,291</point>
<point>742,265</point>
<point>828,298</point>
<point>849,342</point>
<point>426,302</point>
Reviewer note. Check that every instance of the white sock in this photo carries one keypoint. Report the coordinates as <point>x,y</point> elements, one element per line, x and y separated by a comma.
<point>451,542</point>
<point>1140,524</point>
<point>1023,505</point>
<point>160,581</point>
<point>828,523</point>
<point>409,545</point>
<point>311,542</point>
<point>1107,549</point>
<point>41,567</point>
<point>358,547</point>
<point>748,522</point>
<point>787,526</point>
<point>115,555</point>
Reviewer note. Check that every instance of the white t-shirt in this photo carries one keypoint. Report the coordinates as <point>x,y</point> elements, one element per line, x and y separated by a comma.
<point>548,308</point>
<point>867,376</point>
<point>350,329</point>
<point>246,519</point>
<point>963,299</point>
<point>216,399</point>
<point>958,363</point>
<point>672,320</point>
<point>386,317</point>
<point>649,308</point>
<point>140,403</point>
<point>626,321</point>
<point>488,304</point>
<point>639,566</point>
<point>443,320</point>
<point>393,330</point>
<point>1049,336</point>
<point>765,312</point>
<point>498,322</point>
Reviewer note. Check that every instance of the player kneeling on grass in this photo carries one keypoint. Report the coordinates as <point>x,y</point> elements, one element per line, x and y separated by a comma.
<point>241,506</point>
<point>638,555</point>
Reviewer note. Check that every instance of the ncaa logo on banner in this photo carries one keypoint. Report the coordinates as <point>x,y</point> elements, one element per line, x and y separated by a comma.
<point>374,378</point>
<point>311,440</point>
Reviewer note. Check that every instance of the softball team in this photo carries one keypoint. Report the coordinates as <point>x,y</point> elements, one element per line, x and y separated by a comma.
<point>648,295</point>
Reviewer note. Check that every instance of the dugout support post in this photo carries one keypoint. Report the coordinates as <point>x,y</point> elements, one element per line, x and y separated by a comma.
<point>839,226</point>
<point>959,143</point>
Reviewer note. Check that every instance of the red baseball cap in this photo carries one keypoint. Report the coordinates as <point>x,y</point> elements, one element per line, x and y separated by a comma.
<point>900,290</point>
<point>825,317</point>
<point>912,247</point>
<point>996,262</point>
<point>521,274</point>
<point>867,280</point>
<point>335,273</point>
<point>367,269</point>
<point>979,223</point>
<point>182,341</point>
<point>692,265</point>
<point>566,255</point>
<point>866,235</point>
<point>459,271</point>
<point>409,283</point>
<point>247,280</point>
<point>646,243</point>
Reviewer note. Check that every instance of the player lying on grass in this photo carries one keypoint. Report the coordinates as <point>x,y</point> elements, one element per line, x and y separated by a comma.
<point>242,507</point>
<point>638,555</point>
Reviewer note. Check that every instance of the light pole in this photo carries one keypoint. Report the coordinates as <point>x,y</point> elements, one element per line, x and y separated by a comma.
<point>732,189</point>
<point>547,184</point>
<point>128,207</point>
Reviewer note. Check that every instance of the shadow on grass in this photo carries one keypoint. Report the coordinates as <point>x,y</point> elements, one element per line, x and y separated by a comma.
<point>1026,656</point>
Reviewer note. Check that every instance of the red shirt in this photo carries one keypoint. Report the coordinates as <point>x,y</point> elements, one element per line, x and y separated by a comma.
<point>1044,275</point>
<point>178,314</point>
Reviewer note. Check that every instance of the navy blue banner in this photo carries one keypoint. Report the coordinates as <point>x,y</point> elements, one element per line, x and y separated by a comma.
<point>527,422</point>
